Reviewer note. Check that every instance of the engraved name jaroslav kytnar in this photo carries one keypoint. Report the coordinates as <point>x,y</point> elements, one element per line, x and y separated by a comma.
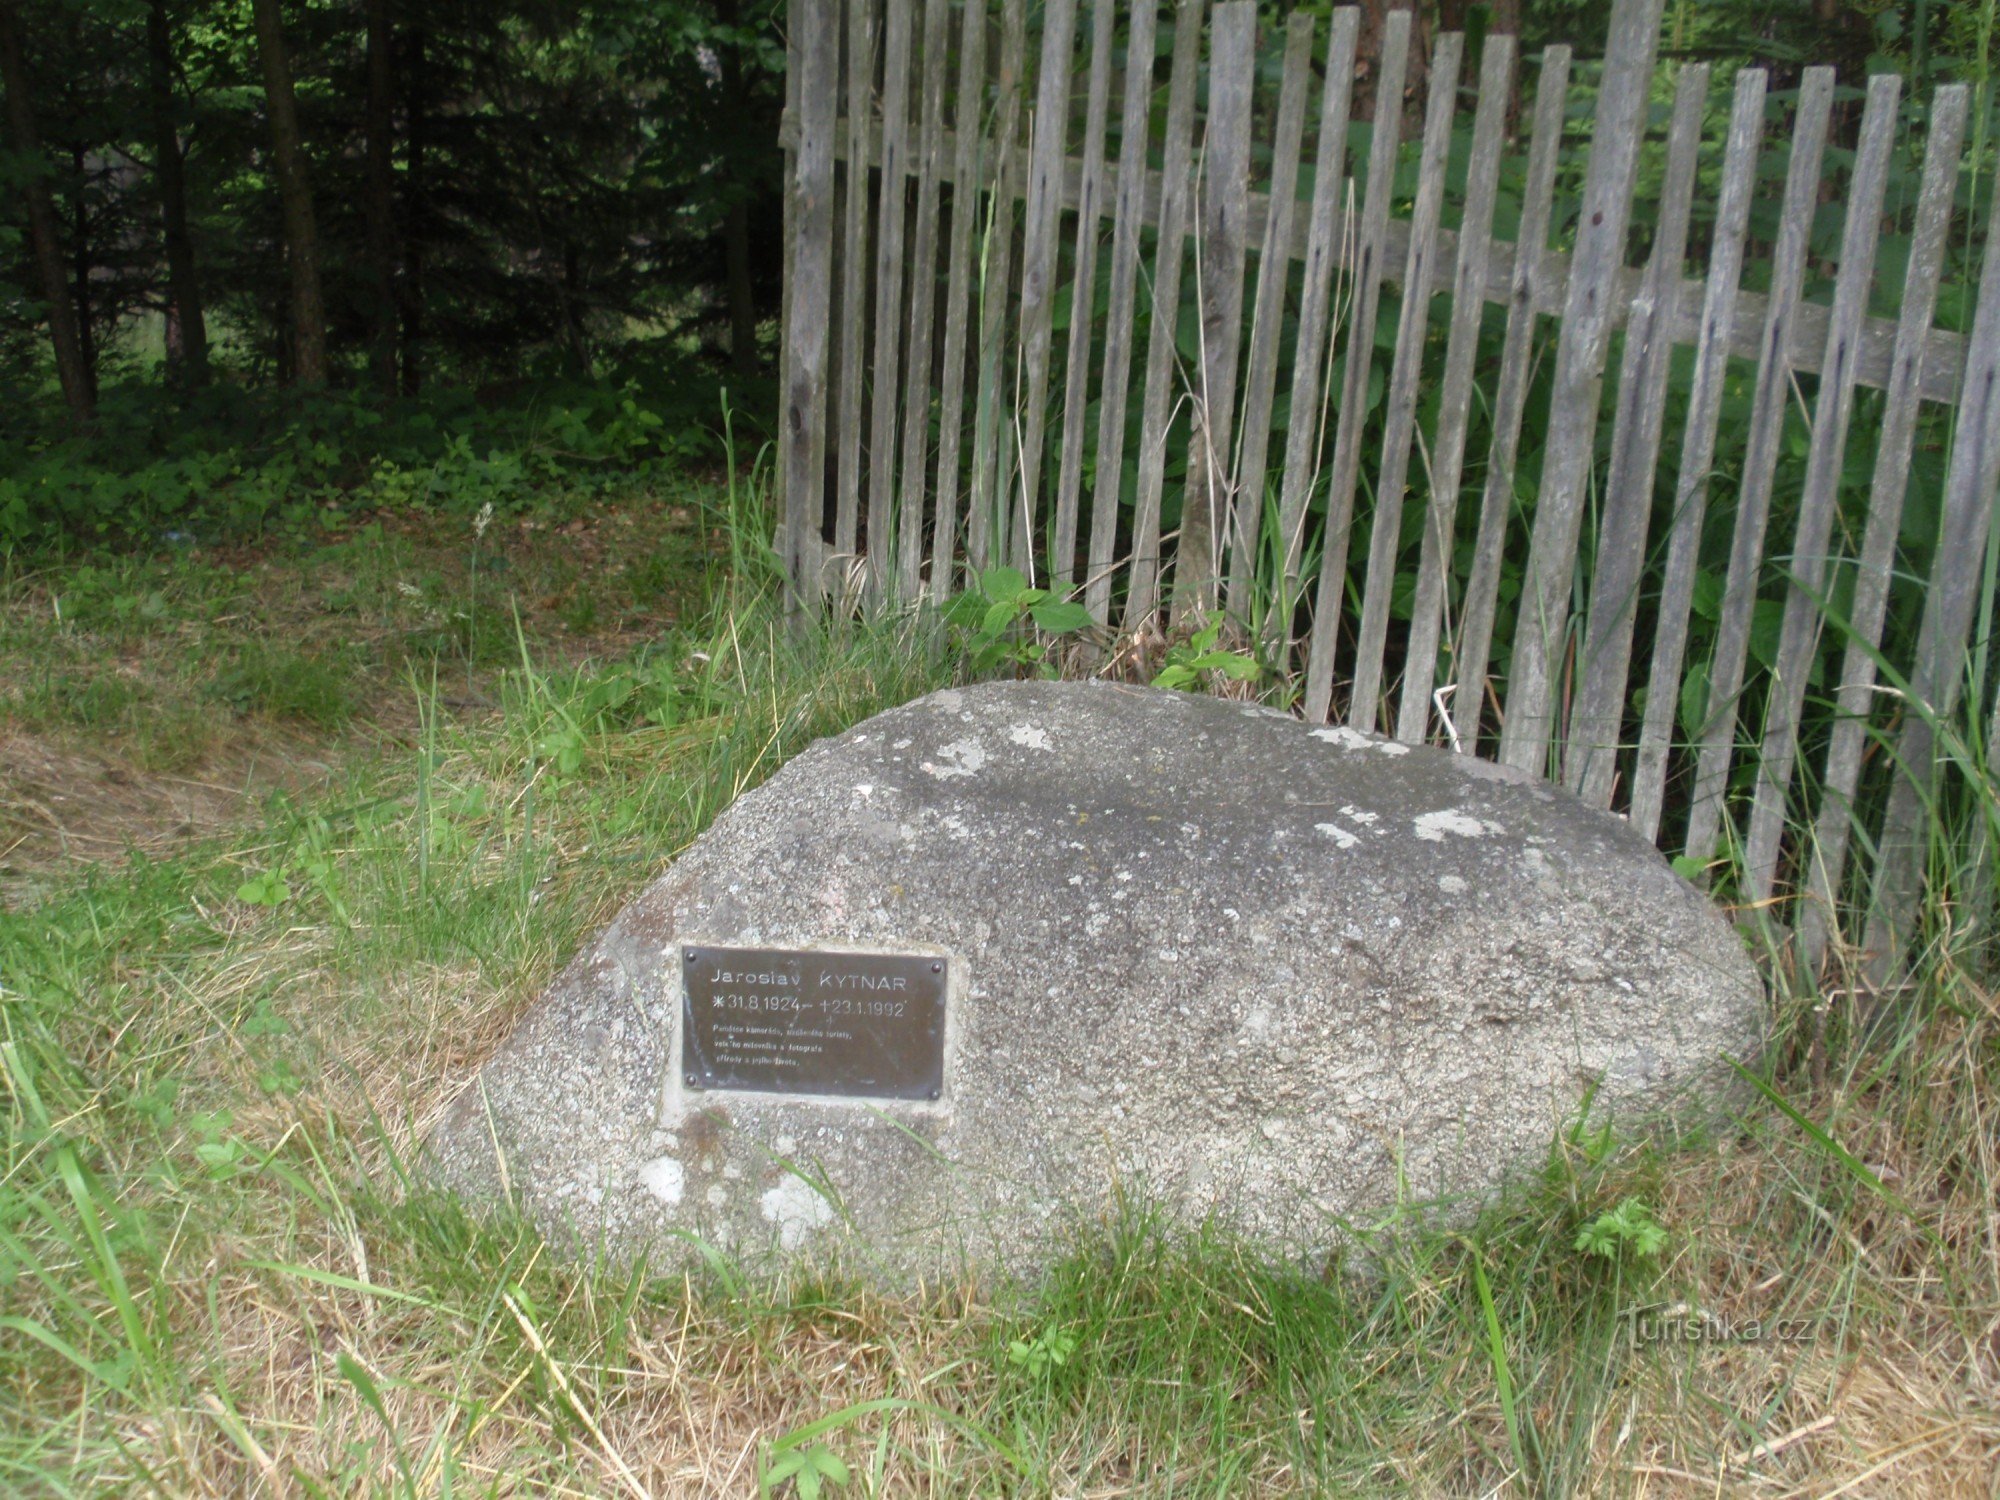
<point>814,1022</point>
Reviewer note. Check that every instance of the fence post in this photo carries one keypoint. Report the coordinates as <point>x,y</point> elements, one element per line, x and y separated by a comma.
<point>1704,408</point>
<point>1496,500</point>
<point>1832,410</point>
<point>1591,754</point>
<point>1541,633</point>
<point>1826,855</point>
<point>816,44</point>
<point>1274,270</point>
<point>1384,134</point>
<point>1938,675</point>
<point>1760,462</point>
<point>1468,307</point>
<point>1126,214</point>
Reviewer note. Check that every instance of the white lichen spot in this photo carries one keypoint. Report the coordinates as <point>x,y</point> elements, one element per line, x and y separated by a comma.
<point>903,744</point>
<point>959,758</point>
<point>784,1145</point>
<point>1341,735</point>
<point>1435,825</point>
<point>716,1196</point>
<point>1339,835</point>
<point>1354,739</point>
<point>664,1178</point>
<point>1452,885</point>
<point>797,1208</point>
<point>1355,814</point>
<point>864,789</point>
<point>1030,737</point>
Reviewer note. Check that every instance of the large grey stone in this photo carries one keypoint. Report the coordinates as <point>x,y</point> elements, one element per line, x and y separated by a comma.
<point>1197,950</point>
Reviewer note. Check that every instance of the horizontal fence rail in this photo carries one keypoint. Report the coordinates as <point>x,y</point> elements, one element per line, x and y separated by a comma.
<point>1636,427</point>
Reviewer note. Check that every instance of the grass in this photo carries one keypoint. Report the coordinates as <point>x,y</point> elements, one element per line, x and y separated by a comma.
<point>218,1274</point>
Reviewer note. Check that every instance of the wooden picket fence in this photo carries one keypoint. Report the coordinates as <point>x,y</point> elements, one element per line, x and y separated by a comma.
<point>937,215</point>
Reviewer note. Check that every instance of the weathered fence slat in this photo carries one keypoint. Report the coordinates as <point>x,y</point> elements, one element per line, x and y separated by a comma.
<point>988,488</point>
<point>1826,856</point>
<point>1833,407</point>
<point>1038,266</point>
<point>1157,413</point>
<point>966,169</point>
<point>1125,226</point>
<point>1412,330</point>
<point>854,281</point>
<point>1937,676</point>
<point>890,204</point>
<point>790,523</point>
<point>1083,299</point>
<point>811,189</point>
<point>1540,634</point>
<point>1496,501</point>
<point>923,304</point>
<point>1753,501</point>
<point>1368,257</point>
<point>1219,251</point>
<point>1598,712</point>
<point>1274,268</point>
<point>1315,307</point>
<point>1447,459</point>
<point>1704,409</point>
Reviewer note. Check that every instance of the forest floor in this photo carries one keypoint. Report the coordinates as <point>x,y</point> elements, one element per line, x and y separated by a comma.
<point>290,835</point>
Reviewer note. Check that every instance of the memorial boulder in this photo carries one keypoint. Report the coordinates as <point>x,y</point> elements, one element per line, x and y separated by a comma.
<point>952,979</point>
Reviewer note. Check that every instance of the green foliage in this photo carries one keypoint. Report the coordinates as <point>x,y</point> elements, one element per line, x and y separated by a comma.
<point>267,889</point>
<point>1048,1350</point>
<point>161,470</point>
<point>809,1470</point>
<point>1006,623</point>
<point>1627,1231</point>
<point>1188,663</point>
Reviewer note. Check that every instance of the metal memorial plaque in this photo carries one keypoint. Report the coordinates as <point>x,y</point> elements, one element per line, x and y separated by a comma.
<point>813,1021</point>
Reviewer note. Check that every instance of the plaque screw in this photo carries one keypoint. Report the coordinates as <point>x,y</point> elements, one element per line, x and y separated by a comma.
<point>934,1093</point>
<point>691,955</point>
<point>690,1078</point>
<point>937,968</point>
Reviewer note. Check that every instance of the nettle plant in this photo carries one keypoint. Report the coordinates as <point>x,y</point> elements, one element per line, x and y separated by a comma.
<point>1007,622</point>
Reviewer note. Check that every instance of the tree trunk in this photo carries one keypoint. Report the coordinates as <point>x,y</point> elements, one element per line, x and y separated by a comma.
<point>79,270</point>
<point>1506,18</point>
<point>410,301</point>
<point>379,127</point>
<point>295,197</point>
<point>70,367</point>
<point>187,344</point>
<point>1374,18</point>
<point>736,225</point>
<point>742,299</point>
<point>574,333</point>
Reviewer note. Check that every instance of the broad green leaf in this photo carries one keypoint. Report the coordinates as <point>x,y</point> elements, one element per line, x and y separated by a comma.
<point>1060,616</point>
